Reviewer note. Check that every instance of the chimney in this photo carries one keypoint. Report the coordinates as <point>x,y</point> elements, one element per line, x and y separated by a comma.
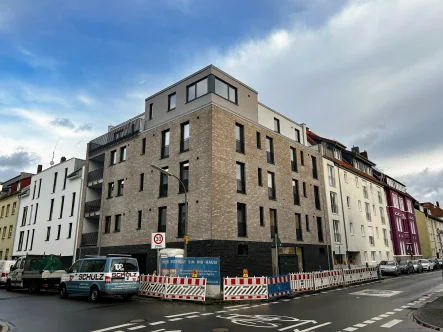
<point>364,154</point>
<point>62,159</point>
<point>438,204</point>
<point>355,149</point>
<point>39,168</point>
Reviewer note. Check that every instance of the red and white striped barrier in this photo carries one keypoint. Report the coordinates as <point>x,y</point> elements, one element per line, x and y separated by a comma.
<point>153,286</point>
<point>354,276</point>
<point>238,289</point>
<point>321,280</point>
<point>179,288</point>
<point>302,282</point>
<point>372,273</point>
<point>335,278</point>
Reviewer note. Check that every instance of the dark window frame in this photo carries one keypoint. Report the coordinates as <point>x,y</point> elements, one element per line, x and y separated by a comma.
<point>308,228</point>
<point>194,85</point>
<point>139,219</point>
<point>297,135</point>
<point>143,145</point>
<point>120,187</point>
<point>164,184</point>
<point>54,185</point>
<point>174,94</point>
<point>160,227</point>
<point>51,209</point>
<point>181,220</point>
<point>270,154</point>
<point>151,111</point>
<point>48,233</point>
<point>274,228</point>
<point>123,153</point>
<point>294,166</point>
<point>260,177</point>
<point>240,142</point>
<point>296,191</point>
<point>242,230</point>
<point>304,189</point>
<point>314,167</point>
<point>271,190</point>
<point>320,230</point>
<point>184,142</point>
<point>117,223</point>
<point>258,140</point>
<point>59,230</point>
<point>61,207</point>
<point>241,183</point>
<point>298,227</point>
<point>69,230</point>
<point>113,157</point>
<point>277,125</point>
<point>142,180</point>
<point>108,221</point>
<point>72,204</point>
<point>35,214</point>
<point>317,199</point>
<point>302,158</point>
<point>185,180</point>
<point>111,188</point>
<point>165,147</point>
<point>262,216</point>
<point>228,86</point>
<point>65,178</point>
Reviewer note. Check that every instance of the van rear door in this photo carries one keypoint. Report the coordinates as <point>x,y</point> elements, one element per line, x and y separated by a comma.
<point>124,270</point>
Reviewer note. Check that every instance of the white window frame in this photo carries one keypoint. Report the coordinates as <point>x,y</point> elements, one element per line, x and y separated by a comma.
<point>399,222</point>
<point>356,182</point>
<point>351,228</point>
<point>348,201</point>
<point>362,230</point>
<point>359,206</point>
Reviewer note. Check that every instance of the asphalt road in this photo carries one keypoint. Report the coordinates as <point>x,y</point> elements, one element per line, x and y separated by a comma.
<point>369,307</point>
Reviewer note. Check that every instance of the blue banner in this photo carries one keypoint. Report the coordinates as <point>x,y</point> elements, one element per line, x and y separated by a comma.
<point>279,289</point>
<point>207,267</point>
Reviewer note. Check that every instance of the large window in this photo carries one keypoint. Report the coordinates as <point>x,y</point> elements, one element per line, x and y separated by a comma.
<point>113,157</point>
<point>365,189</point>
<point>184,176</point>
<point>273,222</point>
<point>271,185</point>
<point>334,202</point>
<point>172,101</point>
<point>241,219</point>
<point>121,185</point>
<point>294,160</point>
<point>317,198</point>
<point>412,224</point>
<point>118,221</point>
<point>184,137</point>
<point>161,227</point>
<point>269,150</point>
<point>382,215</point>
<point>395,200</point>
<point>409,205</point>
<point>197,89</point>
<point>165,144</point>
<point>314,167</point>
<point>368,211</point>
<point>181,220</point>
<point>400,204</point>
<point>276,125</point>
<point>319,230</point>
<point>239,138</point>
<point>240,176</point>
<point>331,175</point>
<point>295,192</point>
<point>337,235</point>
<point>298,229</point>
<point>225,90</point>
<point>54,185</point>
<point>163,184</point>
<point>399,224</point>
<point>111,190</point>
<point>123,153</point>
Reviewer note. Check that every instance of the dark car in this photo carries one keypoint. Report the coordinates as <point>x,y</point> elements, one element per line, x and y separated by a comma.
<point>437,265</point>
<point>440,261</point>
<point>406,267</point>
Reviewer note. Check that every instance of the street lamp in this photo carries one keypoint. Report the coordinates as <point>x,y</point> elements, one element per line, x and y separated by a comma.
<point>186,205</point>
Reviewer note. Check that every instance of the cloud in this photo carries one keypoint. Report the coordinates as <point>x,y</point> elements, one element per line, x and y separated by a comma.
<point>83,128</point>
<point>14,163</point>
<point>62,122</point>
<point>38,61</point>
<point>86,100</point>
<point>425,185</point>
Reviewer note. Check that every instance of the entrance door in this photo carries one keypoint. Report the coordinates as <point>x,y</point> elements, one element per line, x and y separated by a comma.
<point>289,264</point>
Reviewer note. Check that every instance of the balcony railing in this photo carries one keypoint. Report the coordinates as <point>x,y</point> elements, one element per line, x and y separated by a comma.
<point>95,175</point>
<point>92,206</point>
<point>184,145</point>
<point>89,239</point>
<point>115,136</point>
<point>241,186</point>
<point>165,151</point>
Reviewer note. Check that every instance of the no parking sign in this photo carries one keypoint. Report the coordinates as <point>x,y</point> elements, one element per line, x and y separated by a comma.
<point>158,241</point>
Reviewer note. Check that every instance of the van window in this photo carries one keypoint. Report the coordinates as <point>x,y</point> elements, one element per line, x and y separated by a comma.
<point>124,265</point>
<point>87,266</point>
<point>76,267</point>
<point>99,265</point>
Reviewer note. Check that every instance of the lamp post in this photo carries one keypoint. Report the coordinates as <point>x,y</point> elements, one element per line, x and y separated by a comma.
<point>186,205</point>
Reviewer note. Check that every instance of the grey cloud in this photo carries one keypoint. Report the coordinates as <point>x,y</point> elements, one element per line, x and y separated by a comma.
<point>84,127</point>
<point>11,165</point>
<point>426,186</point>
<point>62,122</point>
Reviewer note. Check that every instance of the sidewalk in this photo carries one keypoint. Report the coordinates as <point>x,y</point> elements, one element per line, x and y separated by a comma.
<point>431,314</point>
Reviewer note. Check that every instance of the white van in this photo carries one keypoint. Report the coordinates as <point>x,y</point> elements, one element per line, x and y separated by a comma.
<point>5,267</point>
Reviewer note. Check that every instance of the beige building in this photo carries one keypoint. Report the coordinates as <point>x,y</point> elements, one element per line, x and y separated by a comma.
<point>249,173</point>
<point>430,231</point>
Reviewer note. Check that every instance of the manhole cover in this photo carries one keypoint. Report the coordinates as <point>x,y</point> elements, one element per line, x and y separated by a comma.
<point>137,321</point>
<point>220,329</point>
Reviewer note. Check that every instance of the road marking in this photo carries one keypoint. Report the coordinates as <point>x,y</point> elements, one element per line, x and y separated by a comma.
<point>286,300</point>
<point>193,316</point>
<point>159,330</point>
<point>391,323</point>
<point>220,311</point>
<point>185,314</point>
<point>297,298</point>
<point>174,319</point>
<point>390,313</point>
<point>350,329</point>
<point>207,314</point>
<point>313,327</point>
<point>255,306</point>
<point>404,307</point>
<point>360,325</point>
<point>136,327</point>
<point>398,309</point>
<point>236,306</point>
<point>383,316</point>
<point>113,327</point>
<point>157,323</point>
<point>369,321</point>
<point>376,318</point>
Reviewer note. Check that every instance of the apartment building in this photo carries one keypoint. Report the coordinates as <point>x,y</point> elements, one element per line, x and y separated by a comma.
<point>430,229</point>
<point>47,220</point>
<point>401,214</point>
<point>9,205</point>
<point>251,181</point>
<point>356,205</point>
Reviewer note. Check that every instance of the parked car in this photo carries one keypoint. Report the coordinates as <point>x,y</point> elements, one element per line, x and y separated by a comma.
<point>440,262</point>
<point>427,265</point>
<point>437,264</point>
<point>98,276</point>
<point>5,267</point>
<point>390,267</point>
<point>406,267</point>
<point>417,266</point>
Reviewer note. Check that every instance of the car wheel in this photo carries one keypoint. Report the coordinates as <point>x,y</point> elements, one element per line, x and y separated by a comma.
<point>94,295</point>
<point>32,289</point>
<point>63,292</point>
<point>127,297</point>
<point>8,286</point>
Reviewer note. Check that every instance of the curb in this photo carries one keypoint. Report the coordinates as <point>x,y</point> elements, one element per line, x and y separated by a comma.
<point>424,324</point>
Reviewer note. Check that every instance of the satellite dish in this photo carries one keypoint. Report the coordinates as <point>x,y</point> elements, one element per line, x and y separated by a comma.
<point>51,163</point>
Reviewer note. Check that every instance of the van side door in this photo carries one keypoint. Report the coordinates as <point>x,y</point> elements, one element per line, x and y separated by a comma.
<point>13,274</point>
<point>73,272</point>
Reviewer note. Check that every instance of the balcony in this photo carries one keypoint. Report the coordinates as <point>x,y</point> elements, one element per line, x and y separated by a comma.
<point>92,206</point>
<point>89,239</point>
<point>123,132</point>
<point>95,176</point>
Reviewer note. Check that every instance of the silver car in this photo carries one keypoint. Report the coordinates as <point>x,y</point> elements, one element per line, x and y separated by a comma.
<point>390,267</point>
<point>417,266</point>
<point>427,265</point>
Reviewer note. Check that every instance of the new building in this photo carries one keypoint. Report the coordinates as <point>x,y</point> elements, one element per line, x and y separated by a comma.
<point>430,229</point>
<point>47,220</point>
<point>249,175</point>
<point>9,205</point>
<point>356,204</point>
<point>400,209</point>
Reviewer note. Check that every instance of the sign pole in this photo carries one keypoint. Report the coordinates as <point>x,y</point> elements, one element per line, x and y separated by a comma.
<point>158,262</point>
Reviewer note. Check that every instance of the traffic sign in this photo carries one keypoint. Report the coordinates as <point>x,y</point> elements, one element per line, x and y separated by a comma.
<point>158,241</point>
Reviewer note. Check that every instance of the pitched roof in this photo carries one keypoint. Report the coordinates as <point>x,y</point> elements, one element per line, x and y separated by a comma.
<point>435,210</point>
<point>313,136</point>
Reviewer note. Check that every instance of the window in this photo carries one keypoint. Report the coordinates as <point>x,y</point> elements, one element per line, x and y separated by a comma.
<point>319,230</point>
<point>111,190</point>
<point>172,101</point>
<point>142,181</point>
<point>307,224</point>
<point>395,200</point>
<point>258,139</point>
<point>368,212</point>
<point>317,198</point>
<point>184,137</point>
<point>121,185</point>
<point>377,232</point>
<point>143,145</point>
<point>356,182</point>
<point>409,204</point>
<point>239,138</point>
<point>139,219</point>
<point>262,216</point>
<point>184,176</point>
<point>151,111</point>
<point>370,188</point>
<point>35,215</point>
<point>295,191</point>
<point>165,144</point>
<point>51,209</point>
<point>55,182</point>
<point>348,202</point>
<point>181,220</point>
<point>294,160</point>
<point>3,211</point>
<point>7,210</point>
<point>302,158</point>
<point>14,206</point>
<point>243,250</point>
<point>276,125</point>
<point>10,231</point>
<point>61,207</point>
<point>314,167</point>
<point>39,187</point>
<point>260,177</point>
<point>373,256</point>
<point>122,153</point>
<point>241,220</point>
<point>345,176</point>
<point>417,252</point>
<point>351,228</point>
<point>48,233</point>
<point>297,135</point>
<point>388,255</point>
<point>4,233</point>
<point>399,224</point>
<point>33,192</point>
<point>197,89</point>
<point>362,228</point>
<point>331,175</point>
<point>269,150</point>
<point>161,227</point>
<point>113,158</point>
<point>298,229</point>
<point>118,134</point>
<point>24,216</point>
<point>271,185</point>
<point>240,177</point>
<point>226,91</point>
<point>334,202</point>
<point>400,204</point>
<point>108,224</point>
<point>365,189</point>
<point>273,222</point>
<point>117,224</point>
<point>382,215</point>
<point>30,215</point>
<point>64,179</point>
<point>337,235</point>
<point>359,206</point>
<point>371,236</point>
<point>380,199</point>
<point>163,184</point>
<point>412,227</point>
<point>32,240</point>
<point>58,232</point>
<point>20,241</point>
<point>70,230</point>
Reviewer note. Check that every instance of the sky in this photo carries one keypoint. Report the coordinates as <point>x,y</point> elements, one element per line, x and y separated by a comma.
<point>367,73</point>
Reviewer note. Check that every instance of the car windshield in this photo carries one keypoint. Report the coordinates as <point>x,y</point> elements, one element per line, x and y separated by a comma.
<point>124,265</point>
<point>424,261</point>
<point>387,263</point>
<point>403,263</point>
<point>414,262</point>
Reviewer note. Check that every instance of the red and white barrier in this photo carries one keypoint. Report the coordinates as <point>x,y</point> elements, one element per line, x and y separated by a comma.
<point>153,286</point>
<point>302,282</point>
<point>372,273</point>
<point>179,288</point>
<point>238,289</point>
<point>355,276</point>
<point>335,278</point>
<point>321,280</point>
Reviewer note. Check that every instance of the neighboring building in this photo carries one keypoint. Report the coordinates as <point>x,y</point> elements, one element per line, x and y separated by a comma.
<point>356,203</point>
<point>48,215</point>
<point>249,173</point>
<point>430,230</point>
<point>405,238</point>
<point>9,206</point>
<point>434,210</point>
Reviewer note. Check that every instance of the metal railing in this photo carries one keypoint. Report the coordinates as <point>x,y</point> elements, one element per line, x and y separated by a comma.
<point>89,239</point>
<point>95,175</point>
<point>184,145</point>
<point>92,206</point>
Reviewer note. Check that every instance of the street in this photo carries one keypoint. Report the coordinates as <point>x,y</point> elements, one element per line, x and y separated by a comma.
<point>367,307</point>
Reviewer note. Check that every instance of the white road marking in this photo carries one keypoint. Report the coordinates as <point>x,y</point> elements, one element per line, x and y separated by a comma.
<point>220,311</point>
<point>174,319</point>
<point>157,323</point>
<point>255,306</point>
<point>350,329</point>
<point>159,330</point>
<point>207,314</point>
<point>369,321</point>
<point>360,325</point>
<point>286,300</point>
<point>136,327</point>
<point>112,327</point>
<point>236,306</point>
<point>398,309</point>
<point>376,318</point>
<point>383,316</point>
<point>193,316</point>
<point>185,314</point>
<point>391,323</point>
<point>313,327</point>
<point>404,307</point>
<point>297,298</point>
<point>390,313</point>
